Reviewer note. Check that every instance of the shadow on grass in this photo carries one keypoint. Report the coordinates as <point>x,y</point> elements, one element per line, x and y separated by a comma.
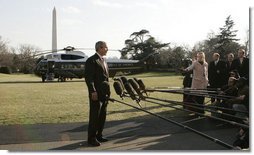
<point>25,82</point>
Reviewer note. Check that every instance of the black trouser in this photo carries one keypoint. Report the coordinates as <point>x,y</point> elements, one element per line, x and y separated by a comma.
<point>194,100</point>
<point>187,99</point>
<point>199,100</point>
<point>97,117</point>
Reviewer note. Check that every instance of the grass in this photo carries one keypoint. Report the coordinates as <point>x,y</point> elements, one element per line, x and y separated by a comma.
<point>26,100</point>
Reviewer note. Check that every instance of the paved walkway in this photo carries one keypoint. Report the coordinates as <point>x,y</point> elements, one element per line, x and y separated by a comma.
<point>149,133</point>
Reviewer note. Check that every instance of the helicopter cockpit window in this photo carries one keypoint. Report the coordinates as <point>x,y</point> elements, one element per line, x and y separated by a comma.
<point>70,57</point>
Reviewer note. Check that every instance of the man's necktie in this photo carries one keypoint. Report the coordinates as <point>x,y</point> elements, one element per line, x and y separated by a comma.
<point>105,65</point>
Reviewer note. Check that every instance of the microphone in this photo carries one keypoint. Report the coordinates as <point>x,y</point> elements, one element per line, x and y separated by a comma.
<point>135,86</point>
<point>120,81</point>
<point>130,91</point>
<point>142,86</point>
<point>135,79</point>
<point>118,89</point>
<point>124,79</point>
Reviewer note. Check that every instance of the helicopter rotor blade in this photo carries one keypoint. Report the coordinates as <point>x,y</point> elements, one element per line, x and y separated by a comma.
<point>68,48</point>
<point>92,49</point>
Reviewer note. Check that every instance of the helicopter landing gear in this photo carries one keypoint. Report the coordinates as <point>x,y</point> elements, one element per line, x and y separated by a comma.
<point>50,76</point>
<point>43,78</point>
<point>47,77</point>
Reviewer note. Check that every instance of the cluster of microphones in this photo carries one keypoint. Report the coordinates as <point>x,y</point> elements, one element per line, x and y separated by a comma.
<point>133,88</point>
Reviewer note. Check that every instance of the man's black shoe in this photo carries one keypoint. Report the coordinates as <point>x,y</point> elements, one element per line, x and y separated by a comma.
<point>93,142</point>
<point>101,139</point>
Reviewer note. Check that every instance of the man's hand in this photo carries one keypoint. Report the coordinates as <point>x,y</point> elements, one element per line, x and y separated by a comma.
<point>241,97</point>
<point>94,96</point>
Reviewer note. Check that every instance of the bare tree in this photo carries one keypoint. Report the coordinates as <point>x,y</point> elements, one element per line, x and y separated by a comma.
<point>25,58</point>
<point>5,56</point>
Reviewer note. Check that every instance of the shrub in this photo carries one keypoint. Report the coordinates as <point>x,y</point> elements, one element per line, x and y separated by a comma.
<point>5,70</point>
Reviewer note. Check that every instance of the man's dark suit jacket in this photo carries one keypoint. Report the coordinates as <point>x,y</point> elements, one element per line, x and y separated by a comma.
<point>217,74</point>
<point>95,75</point>
<point>243,68</point>
<point>229,67</point>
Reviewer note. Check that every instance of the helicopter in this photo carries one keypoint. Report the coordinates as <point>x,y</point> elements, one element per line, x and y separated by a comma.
<point>71,64</point>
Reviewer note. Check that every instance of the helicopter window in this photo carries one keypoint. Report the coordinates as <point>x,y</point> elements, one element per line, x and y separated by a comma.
<point>70,57</point>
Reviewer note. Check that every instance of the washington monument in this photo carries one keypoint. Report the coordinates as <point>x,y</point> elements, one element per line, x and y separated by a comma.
<point>54,35</point>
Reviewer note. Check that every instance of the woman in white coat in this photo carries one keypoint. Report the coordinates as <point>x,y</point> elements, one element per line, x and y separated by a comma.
<point>200,72</point>
<point>200,77</point>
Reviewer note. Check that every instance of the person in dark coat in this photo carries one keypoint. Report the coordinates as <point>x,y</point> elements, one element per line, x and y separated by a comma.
<point>241,99</point>
<point>241,64</point>
<point>96,74</point>
<point>187,82</point>
<point>187,75</point>
<point>217,73</point>
<point>230,59</point>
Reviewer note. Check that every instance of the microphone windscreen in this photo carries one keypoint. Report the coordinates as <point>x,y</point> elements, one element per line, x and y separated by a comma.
<point>130,91</point>
<point>121,82</point>
<point>136,79</point>
<point>124,79</point>
<point>134,84</point>
<point>141,85</point>
<point>118,88</point>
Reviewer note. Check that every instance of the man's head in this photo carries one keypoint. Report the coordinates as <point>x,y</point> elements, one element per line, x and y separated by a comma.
<point>241,53</point>
<point>234,73</point>
<point>230,57</point>
<point>101,48</point>
<point>216,56</point>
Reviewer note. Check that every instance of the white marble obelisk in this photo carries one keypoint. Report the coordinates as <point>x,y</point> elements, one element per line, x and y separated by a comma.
<point>54,33</point>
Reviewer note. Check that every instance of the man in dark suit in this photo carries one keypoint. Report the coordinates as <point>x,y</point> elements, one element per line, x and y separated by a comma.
<point>241,64</point>
<point>217,73</point>
<point>96,73</point>
<point>230,58</point>
<point>187,80</point>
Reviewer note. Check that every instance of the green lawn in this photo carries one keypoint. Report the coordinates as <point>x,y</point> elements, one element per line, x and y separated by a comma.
<point>24,99</point>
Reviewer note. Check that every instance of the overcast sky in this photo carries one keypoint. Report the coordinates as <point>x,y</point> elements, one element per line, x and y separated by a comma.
<point>80,23</point>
